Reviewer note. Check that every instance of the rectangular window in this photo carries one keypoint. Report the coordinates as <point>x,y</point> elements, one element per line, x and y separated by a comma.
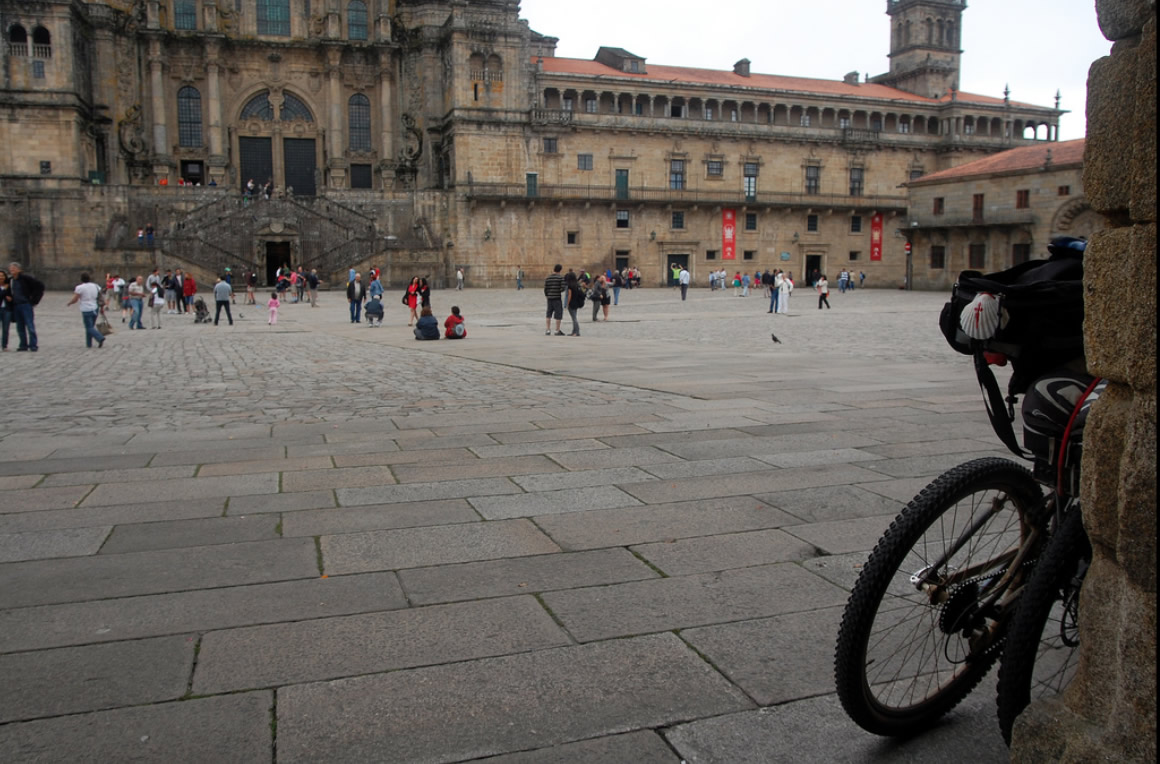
<point>968,129</point>
<point>854,256</point>
<point>622,184</point>
<point>1020,253</point>
<point>678,221</point>
<point>677,174</point>
<point>750,171</point>
<point>750,221</point>
<point>185,15</point>
<point>532,182</point>
<point>356,20</point>
<point>711,254</point>
<point>638,110</point>
<point>709,113</point>
<point>38,70</point>
<point>855,224</point>
<point>567,104</point>
<point>940,205</point>
<point>622,218</point>
<point>714,168</point>
<point>46,168</point>
<point>573,238</point>
<point>590,105</point>
<point>805,120</point>
<point>904,127</point>
<point>813,179</point>
<point>677,112</point>
<point>749,254</point>
<point>977,208</point>
<point>812,223</point>
<point>551,146</point>
<point>843,122</point>
<point>361,176</point>
<point>1065,190</point>
<point>916,174</point>
<point>274,17</point>
<point>1022,198</point>
<point>938,258</point>
<point>876,125</point>
<point>733,115</point>
<point>857,181</point>
<point>977,257</point>
<point>583,161</point>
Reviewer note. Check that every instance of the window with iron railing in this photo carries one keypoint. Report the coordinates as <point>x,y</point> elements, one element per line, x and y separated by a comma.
<point>857,181</point>
<point>677,174</point>
<point>813,179</point>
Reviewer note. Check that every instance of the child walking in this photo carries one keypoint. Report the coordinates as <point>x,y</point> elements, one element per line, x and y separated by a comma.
<point>273,305</point>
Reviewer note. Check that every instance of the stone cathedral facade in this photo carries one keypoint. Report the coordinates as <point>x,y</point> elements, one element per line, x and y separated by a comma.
<point>426,135</point>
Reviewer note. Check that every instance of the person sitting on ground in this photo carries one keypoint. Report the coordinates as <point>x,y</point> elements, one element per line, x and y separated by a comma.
<point>428,326</point>
<point>454,327</point>
<point>374,310</point>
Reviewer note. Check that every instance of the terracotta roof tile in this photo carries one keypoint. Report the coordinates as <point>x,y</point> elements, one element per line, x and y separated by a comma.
<point>1023,158</point>
<point>963,97</point>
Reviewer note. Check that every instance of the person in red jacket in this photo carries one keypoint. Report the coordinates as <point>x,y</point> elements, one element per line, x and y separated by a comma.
<point>188,290</point>
<point>454,328</point>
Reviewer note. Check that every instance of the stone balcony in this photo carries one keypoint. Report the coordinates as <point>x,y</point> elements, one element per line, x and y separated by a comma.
<point>991,219</point>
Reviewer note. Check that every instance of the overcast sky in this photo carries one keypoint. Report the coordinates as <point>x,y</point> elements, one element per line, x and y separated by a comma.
<point>1037,46</point>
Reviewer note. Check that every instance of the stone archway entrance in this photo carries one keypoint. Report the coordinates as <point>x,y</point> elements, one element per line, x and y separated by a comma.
<point>277,254</point>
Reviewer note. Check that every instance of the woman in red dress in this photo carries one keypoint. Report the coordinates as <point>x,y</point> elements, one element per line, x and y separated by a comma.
<point>413,300</point>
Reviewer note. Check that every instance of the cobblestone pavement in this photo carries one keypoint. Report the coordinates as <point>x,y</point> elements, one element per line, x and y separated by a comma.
<point>328,542</point>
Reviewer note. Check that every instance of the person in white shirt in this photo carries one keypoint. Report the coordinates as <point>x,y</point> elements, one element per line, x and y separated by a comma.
<point>87,294</point>
<point>784,286</point>
<point>684,281</point>
<point>823,287</point>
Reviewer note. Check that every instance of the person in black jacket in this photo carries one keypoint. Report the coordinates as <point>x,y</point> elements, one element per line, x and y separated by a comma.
<point>356,294</point>
<point>26,293</point>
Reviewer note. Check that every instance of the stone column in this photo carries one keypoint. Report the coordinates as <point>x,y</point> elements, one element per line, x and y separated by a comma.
<point>161,156</point>
<point>336,161</point>
<point>1109,712</point>
<point>217,151</point>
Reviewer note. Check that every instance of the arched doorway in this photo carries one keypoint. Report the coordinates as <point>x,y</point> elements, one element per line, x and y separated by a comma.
<point>278,141</point>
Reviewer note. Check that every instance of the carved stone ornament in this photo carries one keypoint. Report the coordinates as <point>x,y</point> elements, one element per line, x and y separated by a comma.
<point>131,133</point>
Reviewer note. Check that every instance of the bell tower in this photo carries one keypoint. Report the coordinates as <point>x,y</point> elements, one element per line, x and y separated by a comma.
<point>925,40</point>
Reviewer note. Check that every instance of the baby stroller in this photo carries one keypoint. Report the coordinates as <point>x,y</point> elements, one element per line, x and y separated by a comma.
<point>201,312</point>
<point>374,311</point>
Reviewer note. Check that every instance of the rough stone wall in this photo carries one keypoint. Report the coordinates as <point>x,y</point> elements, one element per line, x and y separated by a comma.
<point>1109,712</point>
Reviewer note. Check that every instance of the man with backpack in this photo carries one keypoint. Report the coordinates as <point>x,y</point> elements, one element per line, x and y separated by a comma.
<point>26,293</point>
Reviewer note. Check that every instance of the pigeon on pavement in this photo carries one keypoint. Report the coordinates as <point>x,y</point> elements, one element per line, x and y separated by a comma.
<point>775,339</point>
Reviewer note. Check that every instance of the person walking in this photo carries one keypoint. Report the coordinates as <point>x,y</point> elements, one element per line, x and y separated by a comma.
<point>5,309</point>
<point>784,288</point>
<point>356,294</point>
<point>88,295</point>
<point>683,279</point>
<point>575,300</point>
<point>617,283</point>
<point>459,278</point>
<point>26,293</point>
<point>222,292</point>
<point>554,292</point>
<point>519,277</point>
<point>312,287</point>
<point>411,300</point>
<point>189,291</point>
<point>156,303</point>
<point>375,290</point>
<point>773,293</point>
<point>300,283</point>
<point>136,302</point>
<point>424,294</point>
<point>272,305</point>
<point>823,288</point>
<point>745,285</point>
<point>598,294</point>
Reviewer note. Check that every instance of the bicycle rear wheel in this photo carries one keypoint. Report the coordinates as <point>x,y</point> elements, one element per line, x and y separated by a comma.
<point>1042,651</point>
<point>922,627</point>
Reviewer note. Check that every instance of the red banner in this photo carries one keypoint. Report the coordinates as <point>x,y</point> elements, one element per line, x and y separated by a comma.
<point>729,234</point>
<point>876,238</point>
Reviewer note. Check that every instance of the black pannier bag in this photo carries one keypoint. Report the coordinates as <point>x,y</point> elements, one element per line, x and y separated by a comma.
<point>1053,426</point>
<point>1031,314</point>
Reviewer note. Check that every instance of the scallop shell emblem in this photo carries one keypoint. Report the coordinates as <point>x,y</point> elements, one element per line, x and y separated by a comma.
<point>981,318</point>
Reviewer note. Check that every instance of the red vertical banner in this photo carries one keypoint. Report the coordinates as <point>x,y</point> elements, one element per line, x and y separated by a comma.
<point>876,238</point>
<point>729,234</point>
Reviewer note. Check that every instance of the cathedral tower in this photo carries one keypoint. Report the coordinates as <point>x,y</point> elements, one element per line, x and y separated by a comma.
<point>925,37</point>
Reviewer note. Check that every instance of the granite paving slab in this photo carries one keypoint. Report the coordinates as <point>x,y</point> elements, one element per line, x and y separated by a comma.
<point>582,479</point>
<point>539,447</point>
<point>501,705</point>
<point>329,648</point>
<point>774,660</point>
<point>42,545</point>
<point>265,451</point>
<point>568,433</point>
<point>817,458</point>
<point>640,607</point>
<point>663,439</point>
<point>525,575</point>
<point>842,536</point>
<point>552,502</point>
<point>146,474</point>
<point>75,579</point>
<point>834,502</point>
<point>181,489</point>
<point>839,569</point>
<point>477,468</point>
<point>706,467</point>
<point>613,457</point>
<point>780,444</point>
<point>265,465</point>
<point>928,466</point>
<point>75,679</point>
<point>773,480</point>
<point>328,522</point>
<point>87,517</point>
<point>448,456</point>
<point>640,525</point>
<point>17,482</point>
<point>636,747</point>
<point>817,731</point>
<point>679,557</point>
<point>37,499</point>
<point>188,533</point>
<point>341,477</point>
<point>901,490</point>
<point>281,502</point>
<point>196,611</point>
<point>411,492</point>
<point>228,729</point>
<point>439,545</point>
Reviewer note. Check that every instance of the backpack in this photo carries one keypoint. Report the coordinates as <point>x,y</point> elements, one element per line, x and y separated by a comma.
<point>1031,314</point>
<point>578,296</point>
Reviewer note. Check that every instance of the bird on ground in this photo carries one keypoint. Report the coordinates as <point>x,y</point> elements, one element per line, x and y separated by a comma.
<point>775,339</point>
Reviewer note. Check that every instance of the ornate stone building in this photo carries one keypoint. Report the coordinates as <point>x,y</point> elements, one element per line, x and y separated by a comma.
<point>429,134</point>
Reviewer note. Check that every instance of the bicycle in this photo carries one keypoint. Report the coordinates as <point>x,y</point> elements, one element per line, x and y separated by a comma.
<point>982,552</point>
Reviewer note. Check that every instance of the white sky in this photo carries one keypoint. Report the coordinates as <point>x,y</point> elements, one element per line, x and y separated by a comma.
<point>1038,46</point>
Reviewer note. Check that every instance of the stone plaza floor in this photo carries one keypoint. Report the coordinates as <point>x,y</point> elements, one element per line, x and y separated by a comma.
<point>323,541</point>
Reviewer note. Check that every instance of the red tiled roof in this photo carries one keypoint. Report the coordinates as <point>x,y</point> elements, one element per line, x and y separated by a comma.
<point>717,77</point>
<point>962,97</point>
<point>1063,153</point>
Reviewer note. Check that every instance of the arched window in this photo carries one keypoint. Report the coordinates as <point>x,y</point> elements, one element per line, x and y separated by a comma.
<point>17,40</point>
<point>185,14</point>
<point>356,20</point>
<point>274,17</point>
<point>292,109</point>
<point>41,43</point>
<point>259,107</point>
<point>360,122</point>
<point>189,117</point>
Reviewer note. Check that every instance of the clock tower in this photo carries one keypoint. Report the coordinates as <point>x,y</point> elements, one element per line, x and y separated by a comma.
<point>925,46</point>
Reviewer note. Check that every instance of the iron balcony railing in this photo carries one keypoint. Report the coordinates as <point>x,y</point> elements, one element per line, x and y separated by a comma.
<point>571,193</point>
<point>969,220</point>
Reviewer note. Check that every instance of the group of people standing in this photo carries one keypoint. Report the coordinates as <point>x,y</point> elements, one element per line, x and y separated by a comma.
<point>20,293</point>
<point>573,290</point>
